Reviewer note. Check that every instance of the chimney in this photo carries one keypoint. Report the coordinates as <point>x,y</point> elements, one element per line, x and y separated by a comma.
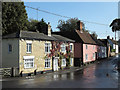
<point>112,38</point>
<point>49,29</point>
<point>108,37</point>
<point>80,26</point>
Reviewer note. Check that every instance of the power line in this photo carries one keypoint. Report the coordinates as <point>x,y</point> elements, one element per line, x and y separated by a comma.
<point>65,16</point>
<point>48,12</point>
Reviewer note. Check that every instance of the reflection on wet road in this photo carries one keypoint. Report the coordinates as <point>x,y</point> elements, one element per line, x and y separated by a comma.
<point>98,75</point>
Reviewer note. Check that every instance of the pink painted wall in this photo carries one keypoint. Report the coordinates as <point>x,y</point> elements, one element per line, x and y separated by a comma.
<point>90,50</point>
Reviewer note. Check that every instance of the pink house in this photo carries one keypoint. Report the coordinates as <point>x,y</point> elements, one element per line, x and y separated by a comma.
<point>89,46</point>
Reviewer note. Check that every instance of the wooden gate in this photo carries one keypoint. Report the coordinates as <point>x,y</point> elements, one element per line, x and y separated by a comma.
<point>7,71</point>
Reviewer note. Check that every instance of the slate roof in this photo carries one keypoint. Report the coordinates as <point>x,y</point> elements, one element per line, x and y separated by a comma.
<point>77,36</point>
<point>61,38</point>
<point>100,43</point>
<point>36,35</point>
<point>113,41</point>
<point>70,34</point>
<point>105,41</point>
<point>86,38</point>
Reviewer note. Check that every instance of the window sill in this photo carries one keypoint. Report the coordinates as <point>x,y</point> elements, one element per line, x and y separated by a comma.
<point>28,52</point>
<point>47,67</point>
<point>29,68</point>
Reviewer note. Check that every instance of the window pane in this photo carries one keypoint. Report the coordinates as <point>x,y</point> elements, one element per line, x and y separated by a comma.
<point>47,63</point>
<point>30,47</point>
<point>29,63</point>
<point>10,48</point>
<point>70,47</point>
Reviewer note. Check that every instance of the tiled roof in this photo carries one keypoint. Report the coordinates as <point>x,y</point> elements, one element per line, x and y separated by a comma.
<point>86,38</point>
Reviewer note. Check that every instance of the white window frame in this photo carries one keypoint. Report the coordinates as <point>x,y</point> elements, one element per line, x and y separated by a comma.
<point>9,50</point>
<point>93,55</point>
<point>63,47</point>
<point>28,47</point>
<point>47,45</point>
<point>86,46</point>
<point>28,59</point>
<point>48,62</point>
<point>71,61</point>
<point>64,64</point>
<point>70,47</point>
<point>86,57</point>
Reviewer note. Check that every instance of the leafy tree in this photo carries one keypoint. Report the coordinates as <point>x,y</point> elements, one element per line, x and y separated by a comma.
<point>69,25</point>
<point>35,25</point>
<point>94,34</point>
<point>14,17</point>
<point>115,25</point>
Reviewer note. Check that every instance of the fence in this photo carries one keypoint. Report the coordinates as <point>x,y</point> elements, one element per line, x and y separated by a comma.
<point>9,72</point>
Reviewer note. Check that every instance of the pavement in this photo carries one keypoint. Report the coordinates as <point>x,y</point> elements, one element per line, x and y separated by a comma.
<point>71,69</point>
<point>100,74</point>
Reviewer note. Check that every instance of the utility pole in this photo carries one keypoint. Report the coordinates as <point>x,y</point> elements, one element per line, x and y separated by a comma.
<point>37,13</point>
<point>115,41</point>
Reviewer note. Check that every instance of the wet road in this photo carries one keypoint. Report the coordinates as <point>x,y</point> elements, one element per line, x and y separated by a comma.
<point>97,75</point>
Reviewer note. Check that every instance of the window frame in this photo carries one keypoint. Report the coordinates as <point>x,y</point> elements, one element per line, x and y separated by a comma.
<point>48,62</point>
<point>86,57</point>
<point>47,45</point>
<point>64,63</point>
<point>10,49</point>
<point>29,65</point>
<point>28,47</point>
<point>86,47</point>
<point>93,55</point>
<point>71,45</point>
<point>63,46</point>
<point>71,61</point>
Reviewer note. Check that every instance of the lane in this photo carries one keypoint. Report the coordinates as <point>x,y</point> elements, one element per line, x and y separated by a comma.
<point>98,75</point>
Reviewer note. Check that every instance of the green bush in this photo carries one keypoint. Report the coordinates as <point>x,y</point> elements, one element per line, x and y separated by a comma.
<point>113,50</point>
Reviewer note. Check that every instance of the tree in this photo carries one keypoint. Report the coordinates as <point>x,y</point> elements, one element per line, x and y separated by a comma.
<point>14,17</point>
<point>69,25</point>
<point>94,34</point>
<point>115,27</point>
<point>35,25</point>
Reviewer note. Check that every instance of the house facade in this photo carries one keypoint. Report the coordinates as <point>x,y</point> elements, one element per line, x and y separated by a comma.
<point>114,45</point>
<point>89,46</point>
<point>107,45</point>
<point>85,48</point>
<point>101,48</point>
<point>32,51</point>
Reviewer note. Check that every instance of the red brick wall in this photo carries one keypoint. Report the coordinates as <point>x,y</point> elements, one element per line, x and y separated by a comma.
<point>77,50</point>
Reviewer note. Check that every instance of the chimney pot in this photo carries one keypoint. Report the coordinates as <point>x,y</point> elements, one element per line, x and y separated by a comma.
<point>108,37</point>
<point>49,29</point>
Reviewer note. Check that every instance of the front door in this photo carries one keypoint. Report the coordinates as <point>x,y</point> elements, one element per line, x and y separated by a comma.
<point>55,64</point>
